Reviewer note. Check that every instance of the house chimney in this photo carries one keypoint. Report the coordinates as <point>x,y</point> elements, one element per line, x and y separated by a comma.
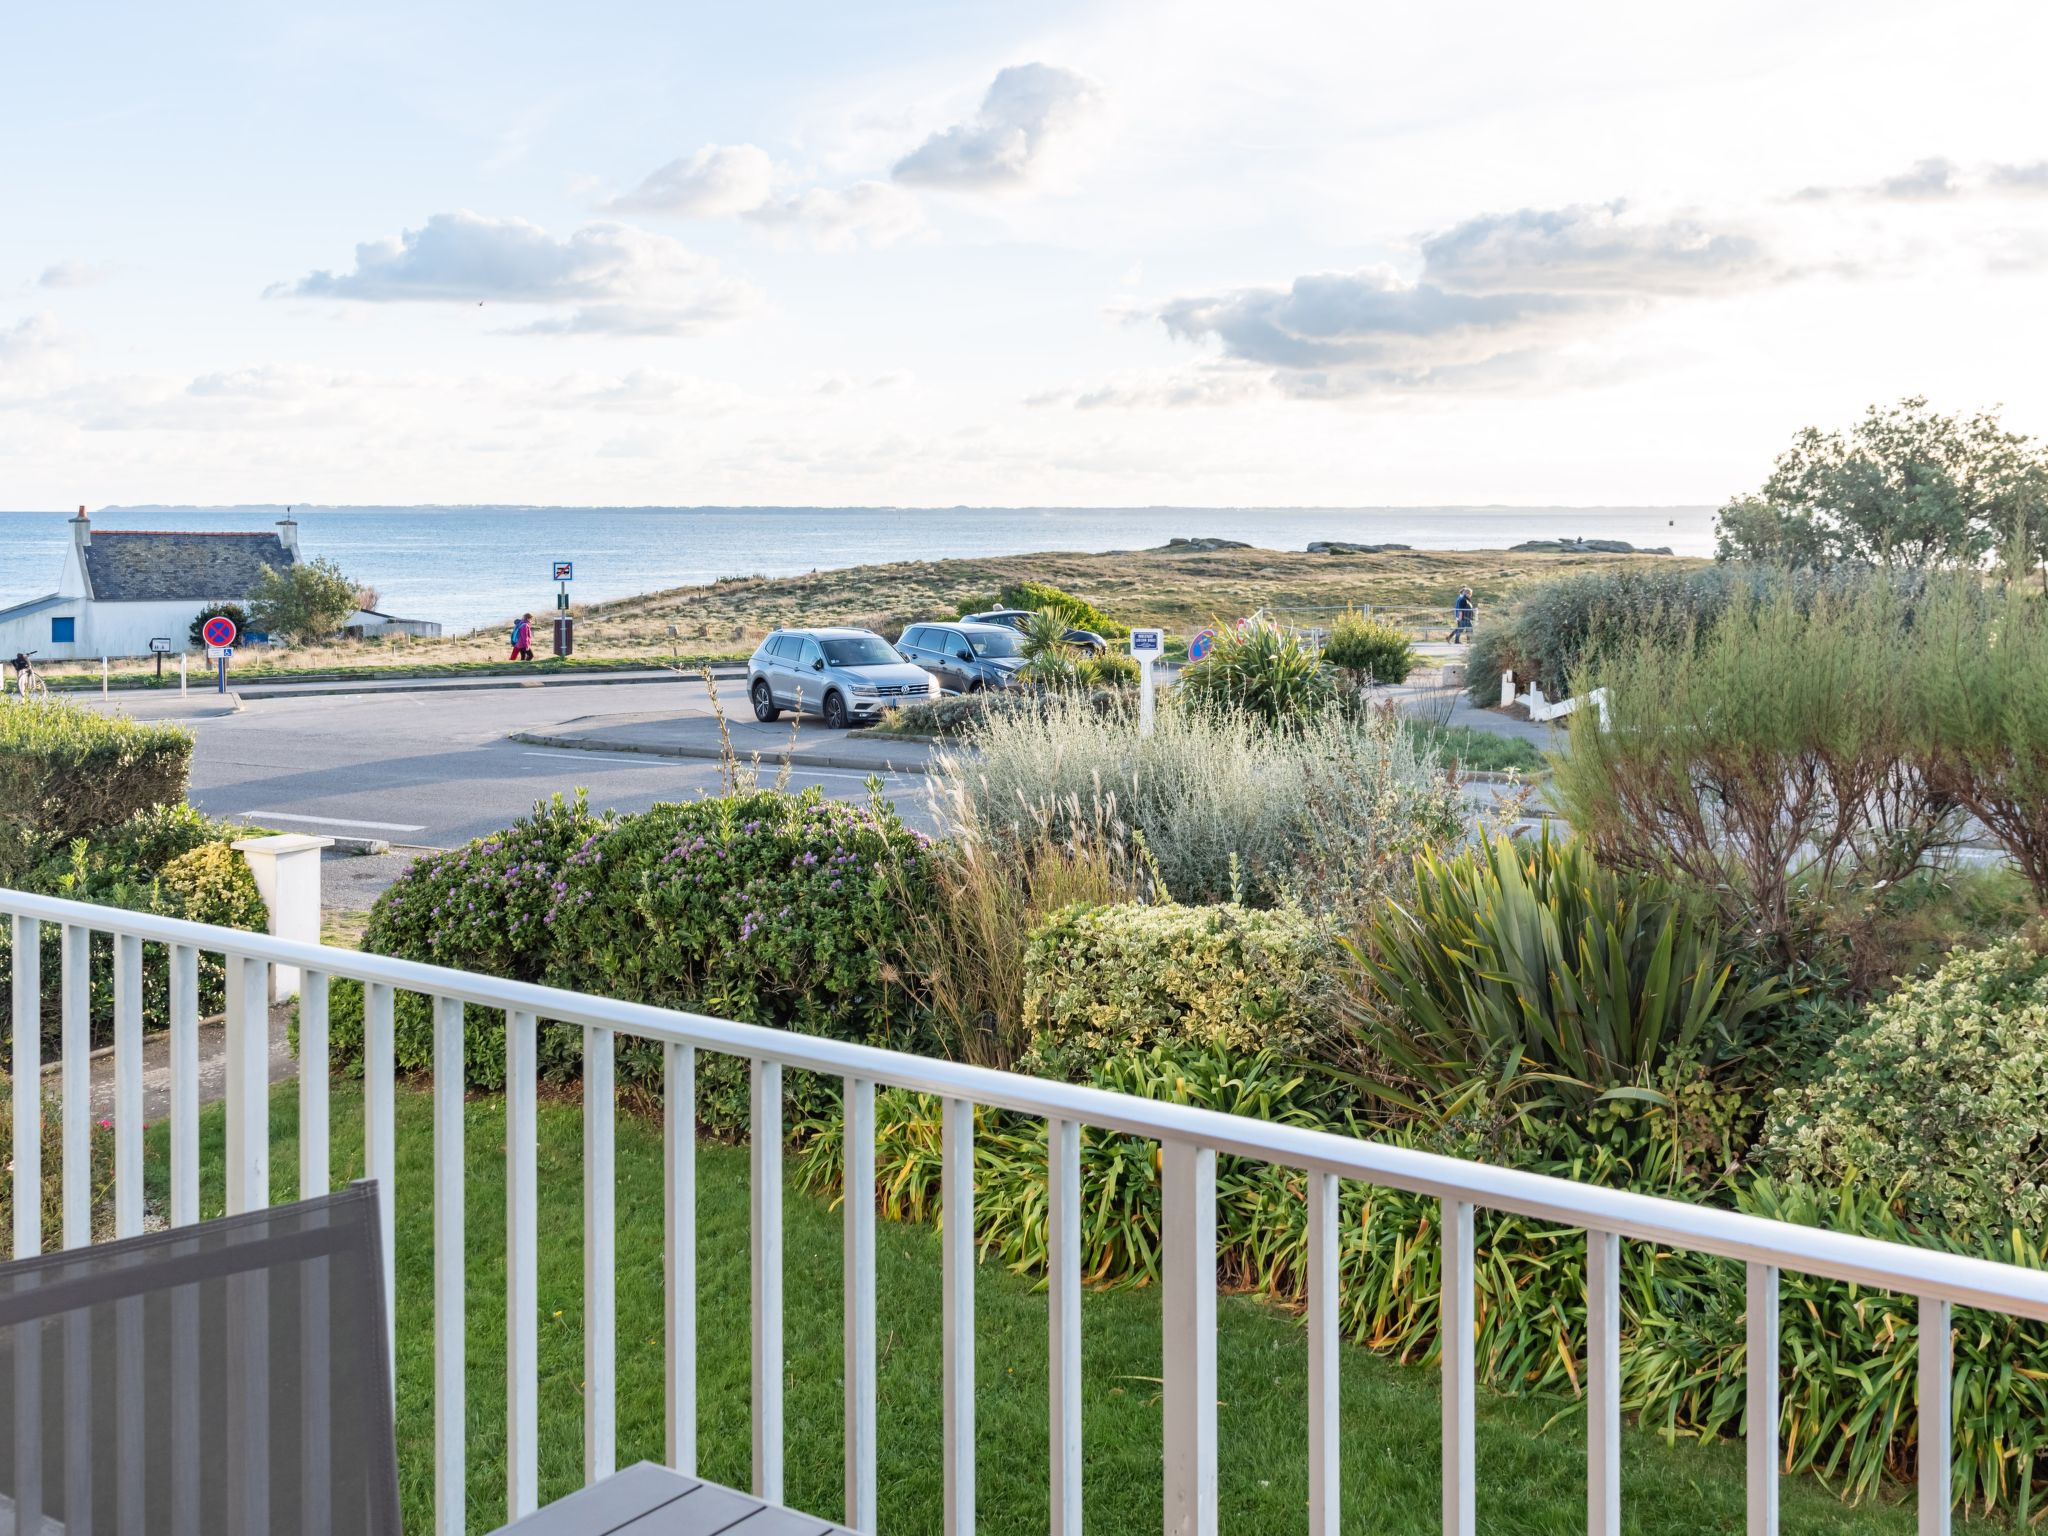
<point>288,533</point>
<point>81,530</point>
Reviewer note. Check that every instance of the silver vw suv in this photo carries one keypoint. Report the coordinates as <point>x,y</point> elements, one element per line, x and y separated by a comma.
<point>841,675</point>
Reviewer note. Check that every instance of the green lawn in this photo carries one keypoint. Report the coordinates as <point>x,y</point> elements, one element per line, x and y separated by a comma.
<point>1477,751</point>
<point>1531,1469</point>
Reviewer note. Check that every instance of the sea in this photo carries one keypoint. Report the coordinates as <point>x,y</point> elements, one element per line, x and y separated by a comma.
<point>474,567</point>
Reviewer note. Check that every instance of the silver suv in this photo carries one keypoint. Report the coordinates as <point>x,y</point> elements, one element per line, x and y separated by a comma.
<point>843,675</point>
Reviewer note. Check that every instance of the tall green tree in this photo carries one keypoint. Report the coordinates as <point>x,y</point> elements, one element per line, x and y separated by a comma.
<point>1905,488</point>
<point>302,602</point>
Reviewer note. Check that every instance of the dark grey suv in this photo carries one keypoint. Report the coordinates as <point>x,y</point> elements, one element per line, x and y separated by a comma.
<point>964,657</point>
<point>843,675</point>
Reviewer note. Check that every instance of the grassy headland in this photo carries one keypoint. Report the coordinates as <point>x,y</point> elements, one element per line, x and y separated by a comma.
<point>1179,590</point>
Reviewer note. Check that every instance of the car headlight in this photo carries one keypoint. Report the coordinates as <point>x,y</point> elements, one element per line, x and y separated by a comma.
<point>862,691</point>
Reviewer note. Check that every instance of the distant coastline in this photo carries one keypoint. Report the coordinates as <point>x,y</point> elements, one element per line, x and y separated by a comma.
<point>470,566</point>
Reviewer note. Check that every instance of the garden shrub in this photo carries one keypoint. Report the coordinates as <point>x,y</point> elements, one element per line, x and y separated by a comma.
<point>769,908</point>
<point>1368,650</point>
<point>1111,669</point>
<point>100,1163</point>
<point>1272,676</point>
<point>1939,1098</point>
<point>1770,761</point>
<point>66,772</point>
<point>1525,968</point>
<point>1223,807</point>
<point>1110,980</point>
<point>170,860</point>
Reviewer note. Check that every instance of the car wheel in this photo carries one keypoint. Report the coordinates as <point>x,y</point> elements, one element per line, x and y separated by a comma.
<point>975,686</point>
<point>764,702</point>
<point>835,712</point>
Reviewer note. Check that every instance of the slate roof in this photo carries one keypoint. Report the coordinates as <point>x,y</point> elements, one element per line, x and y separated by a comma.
<point>124,567</point>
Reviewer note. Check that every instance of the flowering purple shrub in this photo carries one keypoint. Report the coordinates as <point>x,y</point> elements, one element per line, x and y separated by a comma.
<point>772,908</point>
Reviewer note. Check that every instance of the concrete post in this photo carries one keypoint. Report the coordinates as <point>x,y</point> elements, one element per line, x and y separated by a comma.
<point>287,871</point>
<point>1507,690</point>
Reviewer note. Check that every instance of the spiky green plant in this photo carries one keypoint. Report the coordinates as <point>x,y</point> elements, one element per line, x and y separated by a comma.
<point>1263,672</point>
<point>1523,968</point>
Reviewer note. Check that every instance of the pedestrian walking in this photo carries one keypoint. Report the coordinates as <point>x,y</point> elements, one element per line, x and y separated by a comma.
<point>1464,608</point>
<point>522,638</point>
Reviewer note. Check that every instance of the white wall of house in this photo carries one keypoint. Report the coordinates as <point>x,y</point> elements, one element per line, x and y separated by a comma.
<point>100,629</point>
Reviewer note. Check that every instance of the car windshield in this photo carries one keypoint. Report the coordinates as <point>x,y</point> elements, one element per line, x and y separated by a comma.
<point>996,643</point>
<point>859,651</point>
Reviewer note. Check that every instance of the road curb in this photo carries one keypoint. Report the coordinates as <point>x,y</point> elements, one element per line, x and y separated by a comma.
<point>439,685</point>
<point>798,759</point>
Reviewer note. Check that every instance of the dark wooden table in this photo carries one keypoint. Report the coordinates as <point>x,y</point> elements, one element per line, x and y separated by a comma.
<point>646,1500</point>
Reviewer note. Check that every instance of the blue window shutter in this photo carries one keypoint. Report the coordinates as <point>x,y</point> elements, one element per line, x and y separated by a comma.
<point>63,631</point>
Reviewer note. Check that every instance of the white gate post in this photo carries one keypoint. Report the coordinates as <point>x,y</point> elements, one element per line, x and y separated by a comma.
<point>287,871</point>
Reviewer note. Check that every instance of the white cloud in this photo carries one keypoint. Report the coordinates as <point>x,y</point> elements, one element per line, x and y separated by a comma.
<point>1590,249</point>
<point>1498,300</point>
<point>645,392</point>
<point>1031,113</point>
<point>718,180</point>
<point>2021,178</point>
<point>71,274</point>
<point>870,212</point>
<point>1163,389</point>
<point>624,280</point>
<point>29,339</point>
<point>1937,178</point>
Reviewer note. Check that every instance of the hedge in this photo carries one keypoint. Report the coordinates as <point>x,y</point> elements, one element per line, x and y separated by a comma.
<point>66,772</point>
<point>1104,981</point>
<point>766,907</point>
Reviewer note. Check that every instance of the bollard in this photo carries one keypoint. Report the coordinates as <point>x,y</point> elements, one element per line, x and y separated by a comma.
<point>181,674</point>
<point>1507,690</point>
<point>287,871</point>
<point>103,677</point>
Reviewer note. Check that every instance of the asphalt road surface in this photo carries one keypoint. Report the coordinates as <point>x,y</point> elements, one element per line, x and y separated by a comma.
<point>434,768</point>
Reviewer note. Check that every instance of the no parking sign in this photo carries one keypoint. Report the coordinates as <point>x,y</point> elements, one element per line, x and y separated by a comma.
<point>219,632</point>
<point>1201,645</point>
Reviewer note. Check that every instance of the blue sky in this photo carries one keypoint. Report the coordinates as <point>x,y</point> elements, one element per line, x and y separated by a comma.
<point>935,254</point>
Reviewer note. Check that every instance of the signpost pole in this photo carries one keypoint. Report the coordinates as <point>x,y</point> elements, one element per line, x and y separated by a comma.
<point>181,674</point>
<point>1147,645</point>
<point>223,688</point>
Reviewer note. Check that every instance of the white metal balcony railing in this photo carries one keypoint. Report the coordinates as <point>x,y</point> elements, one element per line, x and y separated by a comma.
<point>1191,1139</point>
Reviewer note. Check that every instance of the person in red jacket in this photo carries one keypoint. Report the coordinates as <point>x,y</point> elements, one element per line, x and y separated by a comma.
<point>522,638</point>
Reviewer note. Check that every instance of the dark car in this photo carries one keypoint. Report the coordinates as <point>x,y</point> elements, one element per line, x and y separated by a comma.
<point>965,657</point>
<point>1020,618</point>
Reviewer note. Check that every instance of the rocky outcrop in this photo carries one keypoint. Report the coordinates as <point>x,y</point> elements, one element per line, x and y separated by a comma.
<point>1582,547</point>
<point>1202,546</point>
<point>1339,547</point>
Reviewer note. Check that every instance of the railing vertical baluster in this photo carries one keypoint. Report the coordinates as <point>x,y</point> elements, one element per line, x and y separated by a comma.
<point>600,1240</point>
<point>858,1284</point>
<point>1187,1277</point>
<point>1459,1370</point>
<point>380,1154</point>
<point>1761,1357</point>
<point>1937,1416</point>
<point>1063,1299</point>
<point>248,1084</point>
<point>76,1332</point>
<point>27,1153</point>
<point>679,1245</point>
<point>765,1142</point>
<point>316,1354</point>
<point>184,1043</point>
<point>76,952</point>
<point>1603,1384</point>
<point>185,1411</point>
<point>1325,1435</point>
<point>313,1154</point>
<point>450,1325</point>
<point>522,1270</point>
<point>27,1150</point>
<point>956,1211</point>
<point>127,1087</point>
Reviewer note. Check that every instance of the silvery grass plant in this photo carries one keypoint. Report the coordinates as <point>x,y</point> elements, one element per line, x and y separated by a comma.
<point>1217,804</point>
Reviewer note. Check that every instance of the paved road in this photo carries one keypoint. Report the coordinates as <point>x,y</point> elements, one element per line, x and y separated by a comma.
<point>434,767</point>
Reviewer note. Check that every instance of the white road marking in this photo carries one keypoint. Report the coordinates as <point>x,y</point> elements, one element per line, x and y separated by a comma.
<point>337,821</point>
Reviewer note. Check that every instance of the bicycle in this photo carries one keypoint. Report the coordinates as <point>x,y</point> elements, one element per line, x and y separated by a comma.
<point>27,680</point>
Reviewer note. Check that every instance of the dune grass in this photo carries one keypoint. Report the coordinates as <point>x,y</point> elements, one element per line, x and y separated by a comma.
<point>1531,1455</point>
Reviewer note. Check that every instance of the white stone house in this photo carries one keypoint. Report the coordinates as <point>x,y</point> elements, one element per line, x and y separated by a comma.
<point>121,589</point>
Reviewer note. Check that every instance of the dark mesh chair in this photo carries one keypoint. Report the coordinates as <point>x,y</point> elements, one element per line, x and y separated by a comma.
<point>229,1378</point>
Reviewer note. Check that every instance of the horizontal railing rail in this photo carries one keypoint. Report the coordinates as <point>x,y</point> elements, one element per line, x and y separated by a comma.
<point>1191,1140</point>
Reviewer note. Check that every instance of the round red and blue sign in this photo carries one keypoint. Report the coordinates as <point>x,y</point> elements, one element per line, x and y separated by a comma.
<point>219,630</point>
<point>1201,645</point>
